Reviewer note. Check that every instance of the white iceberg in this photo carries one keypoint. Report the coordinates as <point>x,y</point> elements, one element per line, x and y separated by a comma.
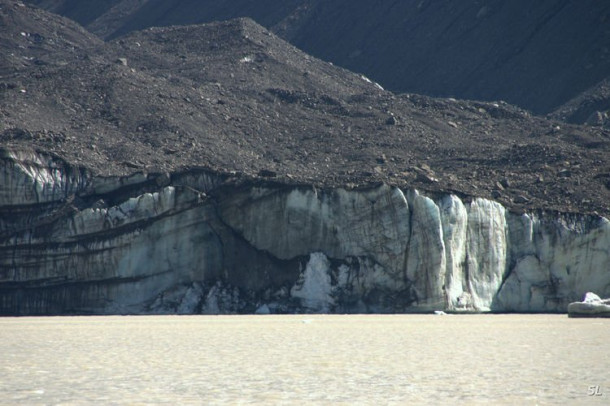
<point>591,306</point>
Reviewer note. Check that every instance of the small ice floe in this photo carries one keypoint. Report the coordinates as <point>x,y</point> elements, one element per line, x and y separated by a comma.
<point>591,306</point>
<point>440,313</point>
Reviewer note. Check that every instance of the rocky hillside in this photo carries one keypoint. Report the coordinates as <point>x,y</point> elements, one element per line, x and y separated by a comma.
<point>235,98</point>
<point>537,55</point>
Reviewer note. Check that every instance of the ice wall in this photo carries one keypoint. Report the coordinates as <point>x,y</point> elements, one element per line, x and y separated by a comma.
<point>192,243</point>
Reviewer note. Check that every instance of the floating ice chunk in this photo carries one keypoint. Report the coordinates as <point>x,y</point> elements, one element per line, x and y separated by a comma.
<point>591,306</point>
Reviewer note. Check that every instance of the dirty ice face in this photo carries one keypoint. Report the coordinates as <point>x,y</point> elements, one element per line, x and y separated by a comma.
<point>293,249</point>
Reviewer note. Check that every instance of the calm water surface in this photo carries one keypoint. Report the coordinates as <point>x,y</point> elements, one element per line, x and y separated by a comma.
<point>421,359</point>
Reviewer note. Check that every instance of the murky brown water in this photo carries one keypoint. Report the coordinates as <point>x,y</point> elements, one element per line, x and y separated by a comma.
<point>422,359</point>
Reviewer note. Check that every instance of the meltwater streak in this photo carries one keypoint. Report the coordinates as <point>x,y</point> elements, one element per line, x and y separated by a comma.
<point>369,359</point>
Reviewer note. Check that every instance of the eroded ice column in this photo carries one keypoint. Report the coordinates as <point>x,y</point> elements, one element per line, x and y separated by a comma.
<point>314,285</point>
<point>526,275</point>
<point>454,219</point>
<point>486,248</point>
<point>426,253</point>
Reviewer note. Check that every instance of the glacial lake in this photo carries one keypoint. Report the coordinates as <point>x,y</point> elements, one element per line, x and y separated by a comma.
<point>305,359</point>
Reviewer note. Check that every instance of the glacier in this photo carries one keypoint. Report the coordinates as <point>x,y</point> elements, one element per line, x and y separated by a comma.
<point>72,242</point>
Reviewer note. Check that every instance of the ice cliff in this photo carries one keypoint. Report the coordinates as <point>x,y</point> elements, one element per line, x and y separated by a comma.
<point>196,242</point>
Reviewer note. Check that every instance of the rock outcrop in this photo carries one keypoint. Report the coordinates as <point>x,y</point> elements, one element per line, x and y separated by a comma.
<point>198,242</point>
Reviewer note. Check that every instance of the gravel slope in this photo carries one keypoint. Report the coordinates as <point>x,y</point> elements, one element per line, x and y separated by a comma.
<point>235,98</point>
